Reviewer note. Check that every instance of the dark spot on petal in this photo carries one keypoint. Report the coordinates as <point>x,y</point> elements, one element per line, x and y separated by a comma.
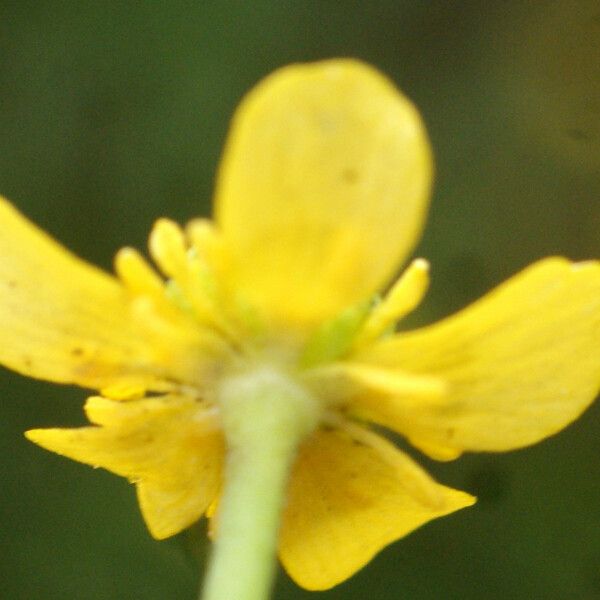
<point>27,361</point>
<point>359,443</point>
<point>12,284</point>
<point>350,175</point>
<point>327,428</point>
<point>77,351</point>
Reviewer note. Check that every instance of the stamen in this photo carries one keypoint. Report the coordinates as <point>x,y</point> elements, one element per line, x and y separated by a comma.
<point>192,287</point>
<point>208,262</point>
<point>404,296</point>
<point>204,240</point>
<point>137,275</point>
<point>168,248</point>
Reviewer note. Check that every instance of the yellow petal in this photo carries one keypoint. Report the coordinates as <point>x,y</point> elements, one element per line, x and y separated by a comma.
<point>323,188</point>
<point>520,364</point>
<point>170,447</point>
<point>351,494</point>
<point>64,320</point>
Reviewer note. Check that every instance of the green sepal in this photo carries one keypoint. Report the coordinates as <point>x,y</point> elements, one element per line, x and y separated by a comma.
<point>334,338</point>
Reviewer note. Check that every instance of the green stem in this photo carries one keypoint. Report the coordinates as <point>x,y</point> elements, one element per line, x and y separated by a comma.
<point>265,417</point>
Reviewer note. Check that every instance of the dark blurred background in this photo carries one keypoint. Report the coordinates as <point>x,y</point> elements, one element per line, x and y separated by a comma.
<point>114,113</point>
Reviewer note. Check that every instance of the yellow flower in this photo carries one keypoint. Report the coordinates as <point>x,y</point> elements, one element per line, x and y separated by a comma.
<point>321,194</point>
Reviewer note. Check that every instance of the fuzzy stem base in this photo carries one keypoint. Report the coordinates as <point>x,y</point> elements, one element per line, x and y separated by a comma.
<point>265,417</point>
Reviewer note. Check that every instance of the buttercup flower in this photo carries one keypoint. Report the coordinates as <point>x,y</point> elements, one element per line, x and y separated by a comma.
<point>321,195</point>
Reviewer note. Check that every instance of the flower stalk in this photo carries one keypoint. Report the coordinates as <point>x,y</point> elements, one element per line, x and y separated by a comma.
<point>265,417</point>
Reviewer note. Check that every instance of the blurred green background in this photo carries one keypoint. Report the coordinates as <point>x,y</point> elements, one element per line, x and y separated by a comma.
<point>114,113</point>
